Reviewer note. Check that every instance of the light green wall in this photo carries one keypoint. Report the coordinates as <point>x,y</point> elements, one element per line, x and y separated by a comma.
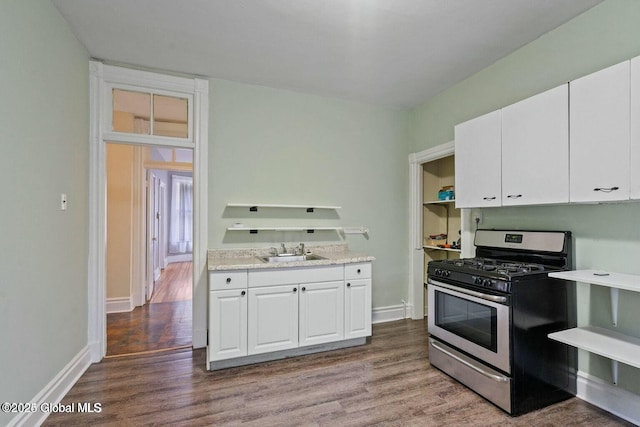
<point>605,236</point>
<point>44,152</point>
<point>278,146</point>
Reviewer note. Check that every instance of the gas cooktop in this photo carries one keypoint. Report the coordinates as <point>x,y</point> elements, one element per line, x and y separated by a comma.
<point>508,268</point>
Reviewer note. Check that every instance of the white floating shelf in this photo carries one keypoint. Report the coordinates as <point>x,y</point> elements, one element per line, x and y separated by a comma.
<point>284,228</point>
<point>255,206</point>
<point>604,342</point>
<point>628,282</point>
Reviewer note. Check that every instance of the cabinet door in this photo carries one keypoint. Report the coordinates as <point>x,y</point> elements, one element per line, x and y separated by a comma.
<point>477,162</point>
<point>635,129</point>
<point>227,324</point>
<point>535,149</point>
<point>357,297</point>
<point>599,135</point>
<point>321,312</point>
<point>273,318</point>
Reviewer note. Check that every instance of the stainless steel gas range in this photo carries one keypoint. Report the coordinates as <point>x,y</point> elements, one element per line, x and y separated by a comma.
<point>489,316</point>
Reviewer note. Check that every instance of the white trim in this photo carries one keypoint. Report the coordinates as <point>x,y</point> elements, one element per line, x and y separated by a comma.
<point>120,305</point>
<point>416,254</point>
<point>620,402</point>
<point>53,392</point>
<point>200,212</point>
<point>389,313</point>
<point>170,259</point>
<point>100,76</point>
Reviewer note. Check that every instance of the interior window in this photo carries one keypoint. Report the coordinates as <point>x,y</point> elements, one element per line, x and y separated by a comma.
<point>131,112</point>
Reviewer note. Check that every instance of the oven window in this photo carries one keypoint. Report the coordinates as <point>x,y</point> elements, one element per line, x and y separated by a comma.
<point>472,321</point>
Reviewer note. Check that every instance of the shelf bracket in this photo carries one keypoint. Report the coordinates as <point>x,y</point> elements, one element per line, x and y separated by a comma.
<point>614,305</point>
<point>614,371</point>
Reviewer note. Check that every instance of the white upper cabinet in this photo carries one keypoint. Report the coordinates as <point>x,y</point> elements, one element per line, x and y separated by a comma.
<point>635,129</point>
<point>535,149</point>
<point>478,162</point>
<point>599,135</point>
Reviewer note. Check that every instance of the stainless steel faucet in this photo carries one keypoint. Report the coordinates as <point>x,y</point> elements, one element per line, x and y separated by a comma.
<point>284,249</point>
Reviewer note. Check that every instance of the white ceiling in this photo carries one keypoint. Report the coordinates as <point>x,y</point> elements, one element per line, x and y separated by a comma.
<point>389,52</point>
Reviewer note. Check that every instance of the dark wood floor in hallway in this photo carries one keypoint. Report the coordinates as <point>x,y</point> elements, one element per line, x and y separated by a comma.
<point>163,323</point>
<point>388,382</point>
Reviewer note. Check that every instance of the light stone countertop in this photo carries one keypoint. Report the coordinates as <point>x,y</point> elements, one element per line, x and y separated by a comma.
<point>247,259</point>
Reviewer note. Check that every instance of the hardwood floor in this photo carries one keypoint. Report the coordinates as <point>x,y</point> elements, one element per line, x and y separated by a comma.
<point>387,382</point>
<point>164,323</point>
<point>174,283</point>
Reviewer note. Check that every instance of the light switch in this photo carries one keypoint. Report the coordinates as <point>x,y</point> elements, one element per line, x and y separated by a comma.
<point>63,202</point>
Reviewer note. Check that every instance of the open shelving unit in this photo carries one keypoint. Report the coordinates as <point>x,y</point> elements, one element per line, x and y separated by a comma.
<point>604,342</point>
<point>439,216</point>
<point>254,207</point>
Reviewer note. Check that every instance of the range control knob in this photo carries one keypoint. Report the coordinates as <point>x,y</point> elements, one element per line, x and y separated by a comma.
<point>438,272</point>
<point>446,273</point>
<point>487,282</point>
<point>478,281</point>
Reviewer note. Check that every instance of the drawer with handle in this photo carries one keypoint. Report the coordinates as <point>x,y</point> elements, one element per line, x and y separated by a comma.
<point>357,271</point>
<point>221,280</point>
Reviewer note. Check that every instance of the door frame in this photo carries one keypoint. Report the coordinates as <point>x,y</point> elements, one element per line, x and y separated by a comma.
<point>416,252</point>
<point>102,77</point>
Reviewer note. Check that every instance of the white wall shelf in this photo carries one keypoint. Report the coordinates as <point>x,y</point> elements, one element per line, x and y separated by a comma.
<point>253,207</point>
<point>616,346</point>
<point>307,229</point>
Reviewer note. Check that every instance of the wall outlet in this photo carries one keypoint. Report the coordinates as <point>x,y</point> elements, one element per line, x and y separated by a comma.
<point>476,216</point>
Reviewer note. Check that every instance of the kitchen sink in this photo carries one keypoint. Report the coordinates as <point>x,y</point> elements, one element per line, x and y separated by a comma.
<point>290,258</point>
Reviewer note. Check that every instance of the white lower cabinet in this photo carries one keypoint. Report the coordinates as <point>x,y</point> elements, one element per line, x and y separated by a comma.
<point>321,312</point>
<point>273,318</point>
<point>227,324</point>
<point>358,308</point>
<point>282,309</point>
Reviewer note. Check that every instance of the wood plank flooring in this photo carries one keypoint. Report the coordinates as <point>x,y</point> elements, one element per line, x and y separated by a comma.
<point>174,283</point>
<point>164,323</point>
<point>388,382</point>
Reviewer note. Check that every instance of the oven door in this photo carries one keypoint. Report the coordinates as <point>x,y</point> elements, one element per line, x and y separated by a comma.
<point>474,322</point>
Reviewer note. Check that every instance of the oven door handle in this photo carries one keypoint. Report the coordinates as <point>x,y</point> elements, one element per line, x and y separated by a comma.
<point>497,378</point>
<point>494,298</point>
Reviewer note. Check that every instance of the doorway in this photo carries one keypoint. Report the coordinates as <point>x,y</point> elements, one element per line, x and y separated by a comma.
<point>160,211</point>
<point>105,82</point>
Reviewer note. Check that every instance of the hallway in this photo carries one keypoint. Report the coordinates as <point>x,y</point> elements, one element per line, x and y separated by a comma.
<point>163,323</point>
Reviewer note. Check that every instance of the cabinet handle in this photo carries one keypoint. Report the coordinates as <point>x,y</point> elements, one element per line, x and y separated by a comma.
<point>606,190</point>
<point>243,293</point>
<point>514,196</point>
<point>295,289</point>
<point>489,198</point>
<point>358,271</point>
<point>304,289</point>
<point>348,285</point>
<point>228,279</point>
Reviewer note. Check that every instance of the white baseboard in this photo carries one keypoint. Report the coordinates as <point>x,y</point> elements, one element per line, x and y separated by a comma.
<point>199,338</point>
<point>611,398</point>
<point>179,258</point>
<point>53,392</point>
<point>390,313</point>
<point>119,305</point>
